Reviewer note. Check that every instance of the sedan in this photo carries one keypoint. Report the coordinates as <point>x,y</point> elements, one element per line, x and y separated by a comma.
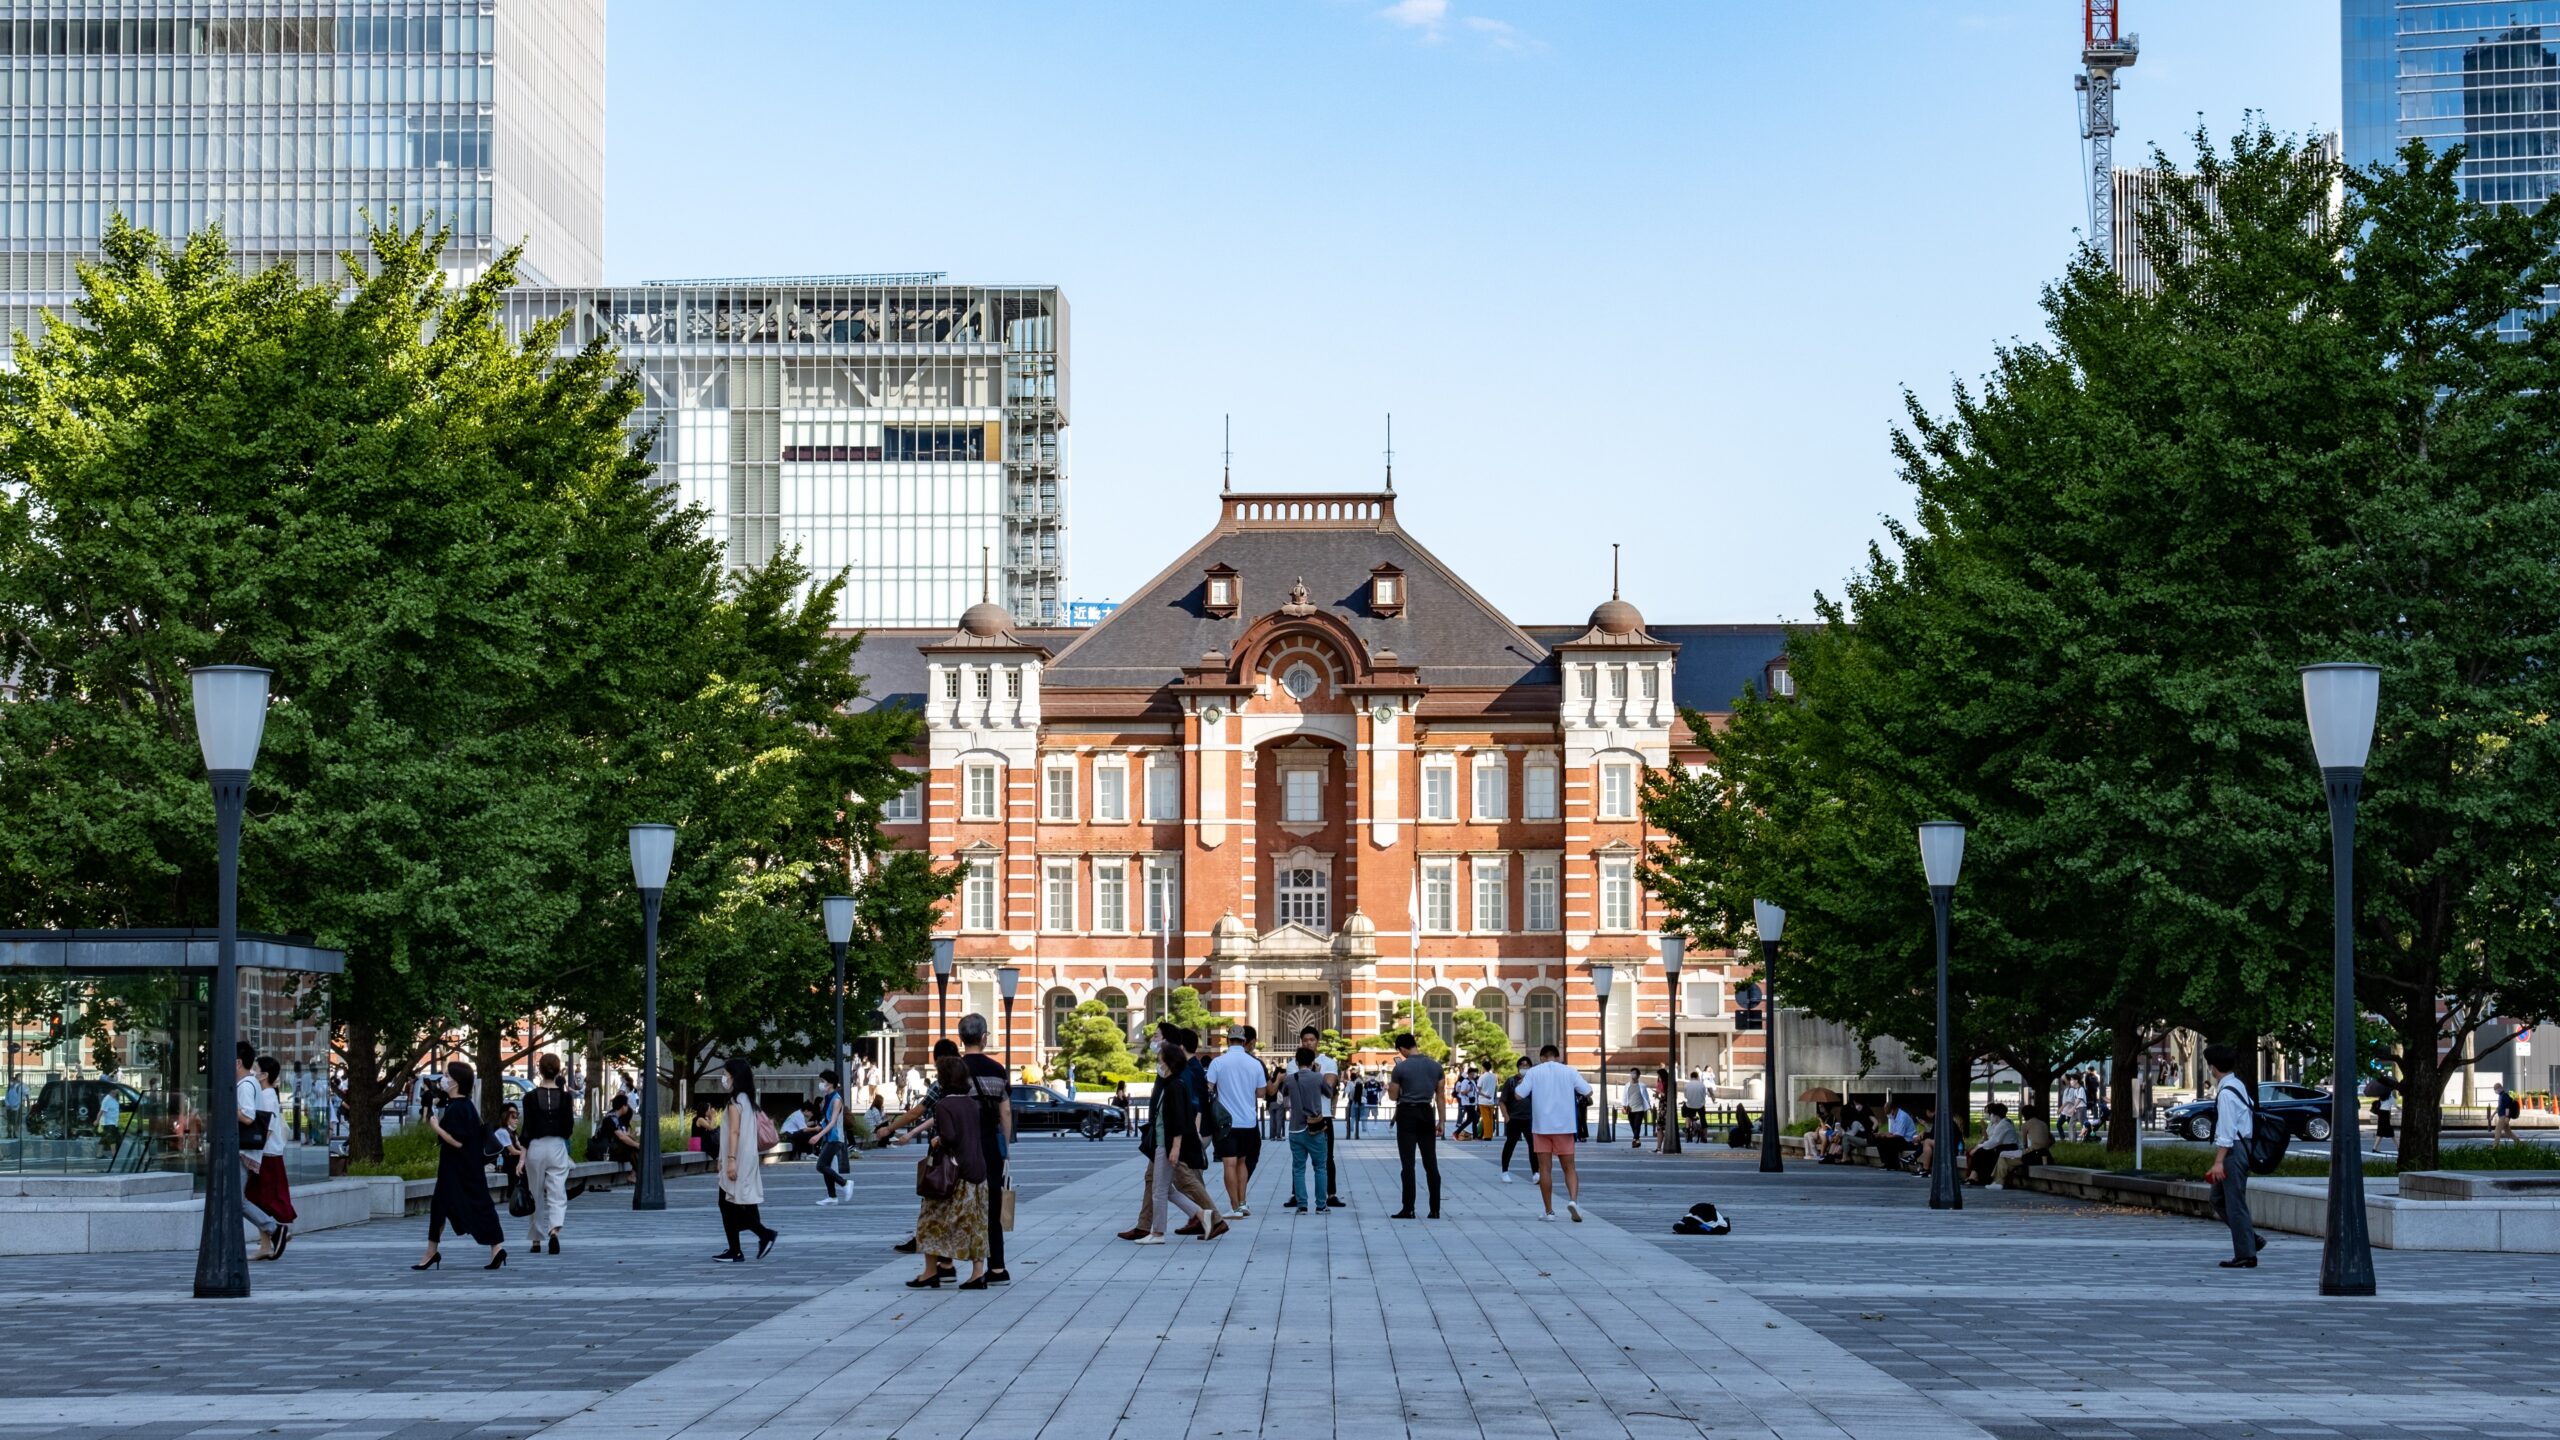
<point>1037,1107</point>
<point>2304,1109</point>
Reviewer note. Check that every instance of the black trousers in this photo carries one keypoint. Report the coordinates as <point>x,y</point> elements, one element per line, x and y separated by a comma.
<point>1417,1130</point>
<point>995,1200</point>
<point>1513,1132</point>
<point>738,1219</point>
<point>1332,1177</point>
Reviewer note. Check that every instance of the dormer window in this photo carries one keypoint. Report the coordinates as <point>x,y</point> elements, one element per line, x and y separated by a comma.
<point>1781,683</point>
<point>1219,592</point>
<point>1386,591</point>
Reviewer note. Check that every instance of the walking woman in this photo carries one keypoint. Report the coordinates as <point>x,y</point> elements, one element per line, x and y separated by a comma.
<point>953,1227</point>
<point>462,1176</point>
<point>267,1189</point>
<point>742,1166</point>
<point>1175,1123</point>
<point>549,1116</point>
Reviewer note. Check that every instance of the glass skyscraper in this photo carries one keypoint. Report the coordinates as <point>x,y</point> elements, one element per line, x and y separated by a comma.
<point>910,431</point>
<point>2483,76</point>
<point>292,121</point>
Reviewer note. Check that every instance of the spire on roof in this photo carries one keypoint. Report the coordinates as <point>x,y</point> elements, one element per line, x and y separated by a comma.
<point>1391,452</point>
<point>1227,460</point>
<point>1613,569</point>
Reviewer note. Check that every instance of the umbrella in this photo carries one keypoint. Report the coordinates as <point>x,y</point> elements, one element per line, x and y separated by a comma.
<point>1820,1095</point>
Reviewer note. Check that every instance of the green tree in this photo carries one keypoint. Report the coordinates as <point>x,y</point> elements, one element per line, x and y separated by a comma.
<point>1483,1041</point>
<point>1091,1041</point>
<point>1185,1008</point>
<point>1408,1016</point>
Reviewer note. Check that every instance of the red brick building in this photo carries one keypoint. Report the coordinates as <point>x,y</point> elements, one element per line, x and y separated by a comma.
<point>1311,771</point>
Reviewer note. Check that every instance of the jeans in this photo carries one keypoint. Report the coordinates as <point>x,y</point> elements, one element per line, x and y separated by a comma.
<point>1170,1186</point>
<point>265,1223</point>
<point>831,1166</point>
<point>1307,1148</point>
<point>1418,1131</point>
<point>546,1177</point>
<point>2231,1197</point>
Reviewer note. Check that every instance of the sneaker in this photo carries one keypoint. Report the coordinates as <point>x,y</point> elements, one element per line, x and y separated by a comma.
<point>1574,1208</point>
<point>1152,1239</point>
<point>1243,1211</point>
<point>1302,1214</point>
<point>1547,1215</point>
<point>1506,1178</point>
<point>831,1200</point>
<point>1320,1209</point>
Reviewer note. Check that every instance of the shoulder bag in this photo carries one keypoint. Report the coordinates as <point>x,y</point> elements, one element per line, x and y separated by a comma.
<point>938,1173</point>
<point>519,1196</point>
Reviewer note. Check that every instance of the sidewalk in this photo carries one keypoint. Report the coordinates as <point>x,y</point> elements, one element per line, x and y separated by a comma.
<point>1487,1324</point>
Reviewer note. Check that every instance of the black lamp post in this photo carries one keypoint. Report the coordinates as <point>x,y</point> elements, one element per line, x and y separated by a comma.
<point>653,850</point>
<point>1941,857</point>
<point>942,947</point>
<point>2340,701</point>
<point>837,910</point>
<point>231,718</point>
<point>1008,980</point>
<point>1770,921</point>
<point>1601,976</point>
<point>1667,1105</point>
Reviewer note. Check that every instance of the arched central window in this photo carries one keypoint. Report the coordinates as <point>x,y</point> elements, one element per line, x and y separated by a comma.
<point>1062,1003</point>
<point>1540,1027</point>
<point>1118,1005</point>
<point>1441,1008</point>
<point>1306,897</point>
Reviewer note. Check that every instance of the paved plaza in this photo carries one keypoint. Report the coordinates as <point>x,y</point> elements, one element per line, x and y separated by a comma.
<point>1839,1306</point>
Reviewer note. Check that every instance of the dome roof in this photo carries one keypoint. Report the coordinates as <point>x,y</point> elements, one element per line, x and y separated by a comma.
<point>1617,617</point>
<point>986,620</point>
<point>1358,924</point>
<point>1229,927</point>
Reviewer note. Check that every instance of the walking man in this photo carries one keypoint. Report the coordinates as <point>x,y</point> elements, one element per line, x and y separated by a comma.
<point>2233,1123</point>
<point>1414,1086</point>
<point>2503,1111</point>
<point>1515,1117</point>
<point>830,1128</point>
<point>1552,1088</point>
<point>1639,1102</point>
<point>994,1092</point>
<point>1237,1084</point>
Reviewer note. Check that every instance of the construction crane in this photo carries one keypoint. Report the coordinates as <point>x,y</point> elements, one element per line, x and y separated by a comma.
<point>2104,49</point>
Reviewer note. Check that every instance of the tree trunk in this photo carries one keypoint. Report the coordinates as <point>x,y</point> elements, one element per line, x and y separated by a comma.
<point>2421,1085</point>
<point>366,1093</point>
<point>2035,1086</point>
<point>595,1075</point>
<point>488,1056</point>
<point>2124,1056</point>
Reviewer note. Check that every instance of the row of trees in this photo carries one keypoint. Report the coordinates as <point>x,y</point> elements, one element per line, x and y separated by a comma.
<point>497,642</point>
<point>2332,433</point>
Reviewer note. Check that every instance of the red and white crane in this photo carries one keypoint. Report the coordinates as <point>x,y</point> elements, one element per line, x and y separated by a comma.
<point>2104,49</point>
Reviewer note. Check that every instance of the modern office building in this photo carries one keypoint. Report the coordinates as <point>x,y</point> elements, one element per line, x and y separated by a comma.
<point>909,432</point>
<point>2486,77</point>
<point>294,125</point>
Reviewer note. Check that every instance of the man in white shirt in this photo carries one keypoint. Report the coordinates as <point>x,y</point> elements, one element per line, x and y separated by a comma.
<point>1695,1093</point>
<point>1237,1082</point>
<point>110,1120</point>
<point>1638,1100</point>
<point>2233,1122</point>
<point>244,1103</point>
<point>1551,1087</point>
<point>1464,1093</point>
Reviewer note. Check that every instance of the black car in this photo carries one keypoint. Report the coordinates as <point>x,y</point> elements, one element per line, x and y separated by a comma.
<point>66,1108</point>
<point>2304,1109</point>
<point>1039,1108</point>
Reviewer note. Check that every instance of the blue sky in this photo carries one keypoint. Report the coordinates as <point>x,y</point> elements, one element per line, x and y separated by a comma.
<point>1645,273</point>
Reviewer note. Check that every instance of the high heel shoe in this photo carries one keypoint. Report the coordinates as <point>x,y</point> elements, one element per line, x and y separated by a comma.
<point>934,1283</point>
<point>429,1263</point>
<point>496,1260</point>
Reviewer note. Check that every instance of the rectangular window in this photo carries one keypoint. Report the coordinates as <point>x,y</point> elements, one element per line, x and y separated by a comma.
<point>1013,684</point>
<point>1440,895</point>
<point>1702,998</point>
<point>1060,790</point>
<point>1058,896</point>
<point>950,684</point>
<point>1617,792</point>
<point>1622,1007</point>
<point>1164,789</point>
<point>1110,896</point>
<point>1583,676</point>
<point>978,894</point>
<point>1110,792</point>
<point>1493,898</point>
<point>1302,796</point>
<point>1617,894</point>
<point>980,802</point>
<point>1493,789</point>
<point>985,685</point>
<point>1542,895</point>
<point>1440,792</point>
<point>906,805</point>
<point>1539,803</point>
<point>1650,681</point>
<point>1159,897</point>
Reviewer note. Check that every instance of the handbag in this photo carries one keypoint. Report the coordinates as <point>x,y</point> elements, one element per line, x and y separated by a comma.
<point>938,1174</point>
<point>1004,1206</point>
<point>519,1196</point>
<point>766,1138</point>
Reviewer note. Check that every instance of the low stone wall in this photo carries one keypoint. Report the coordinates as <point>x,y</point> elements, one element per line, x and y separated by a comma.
<point>2300,1206</point>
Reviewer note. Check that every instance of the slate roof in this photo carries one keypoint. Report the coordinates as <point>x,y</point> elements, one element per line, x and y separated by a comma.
<point>1714,662</point>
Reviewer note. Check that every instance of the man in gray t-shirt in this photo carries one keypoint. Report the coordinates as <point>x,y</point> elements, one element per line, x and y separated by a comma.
<point>1304,1091</point>
<point>1414,1086</point>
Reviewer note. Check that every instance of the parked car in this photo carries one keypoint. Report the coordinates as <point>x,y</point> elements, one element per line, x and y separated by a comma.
<point>2303,1109</point>
<point>1037,1107</point>
<point>65,1108</point>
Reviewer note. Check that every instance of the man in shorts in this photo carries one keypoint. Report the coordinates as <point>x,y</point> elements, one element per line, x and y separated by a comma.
<point>1238,1083</point>
<point>1552,1087</point>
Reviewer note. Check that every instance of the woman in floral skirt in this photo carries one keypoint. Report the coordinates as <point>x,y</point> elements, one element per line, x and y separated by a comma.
<point>954,1227</point>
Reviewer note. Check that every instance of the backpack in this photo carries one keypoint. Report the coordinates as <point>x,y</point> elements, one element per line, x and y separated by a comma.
<point>2265,1145</point>
<point>766,1138</point>
<point>1703,1219</point>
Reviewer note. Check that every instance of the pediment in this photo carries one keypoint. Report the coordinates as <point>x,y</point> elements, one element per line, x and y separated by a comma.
<point>1294,938</point>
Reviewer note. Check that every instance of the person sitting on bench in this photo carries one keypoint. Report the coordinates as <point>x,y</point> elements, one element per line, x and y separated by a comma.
<point>1900,1136</point>
<point>1999,1138</point>
<point>2037,1149</point>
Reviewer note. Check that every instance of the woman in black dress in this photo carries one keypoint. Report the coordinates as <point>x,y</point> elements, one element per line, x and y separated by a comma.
<point>462,1176</point>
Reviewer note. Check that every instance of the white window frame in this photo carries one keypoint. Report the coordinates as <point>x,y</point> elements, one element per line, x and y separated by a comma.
<point>1164,788</point>
<point>1492,773</point>
<point>1617,790</point>
<point>1164,897</point>
<point>1052,793</point>
<point>1382,590</point>
<point>1222,591</point>
<point>1111,897</point>
<point>1288,895</point>
<point>1542,790</point>
<point>905,807</point>
<point>1619,911</point>
<point>1538,1029</point>
<point>1701,999</point>
<point>1542,890</point>
<point>1058,897</point>
<point>1439,904</point>
<point>1619,1021</point>
<point>1440,789</point>
<point>1110,791</point>
<point>1489,893</point>
<point>1617,682</point>
<point>976,777</point>
<point>1649,682</point>
<point>1290,780</point>
<point>981,895</point>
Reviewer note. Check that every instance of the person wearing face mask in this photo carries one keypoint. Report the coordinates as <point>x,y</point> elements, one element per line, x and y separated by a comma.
<point>1185,1180</point>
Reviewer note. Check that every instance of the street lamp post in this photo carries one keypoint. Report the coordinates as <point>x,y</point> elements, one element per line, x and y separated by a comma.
<point>231,719</point>
<point>1667,1105</point>
<point>1941,857</point>
<point>837,910</point>
<point>1008,980</point>
<point>1601,977</point>
<point>1770,921</point>
<point>942,947</point>
<point>2340,701</point>
<point>653,849</point>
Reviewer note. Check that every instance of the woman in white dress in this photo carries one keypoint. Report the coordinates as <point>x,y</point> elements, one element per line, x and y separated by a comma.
<point>742,1166</point>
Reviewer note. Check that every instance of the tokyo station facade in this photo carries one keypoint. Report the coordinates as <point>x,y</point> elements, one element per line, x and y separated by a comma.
<point>1311,772</point>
